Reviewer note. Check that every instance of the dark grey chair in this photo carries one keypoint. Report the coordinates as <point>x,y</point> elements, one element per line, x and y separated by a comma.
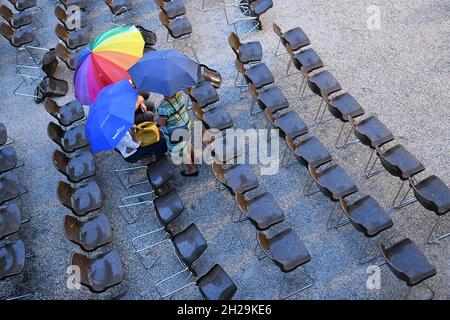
<point>77,167</point>
<point>249,52</point>
<point>69,57</point>
<point>10,220</point>
<point>69,140</point>
<point>72,39</point>
<point>259,75</point>
<point>407,262</point>
<point>260,208</point>
<point>8,159</point>
<point>287,252</point>
<point>82,199</point>
<point>21,5</point>
<point>216,117</point>
<point>100,272</point>
<point>68,21</point>
<point>12,259</point>
<point>9,187</point>
<point>90,234</point>
<point>295,37</point>
<point>238,178</point>
<point>272,98</point>
<point>204,94</point>
<point>216,284</point>
<point>172,8</point>
<point>50,87</point>
<point>66,114</point>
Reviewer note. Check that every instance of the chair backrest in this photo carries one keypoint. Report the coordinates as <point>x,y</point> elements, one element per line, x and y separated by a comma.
<point>277,30</point>
<point>161,4</point>
<point>51,107</point>
<point>207,74</point>
<point>150,37</point>
<point>234,42</point>
<point>55,133</point>
<point>89,234</point>
<point>189,245</point>
<point>164,18</point>
<point>12,259</point>
<point>62,52</point>
<point>100,272</point>
<point>61,14</point>
<point>240,67</point>
<point>10,220</point>
<point>61,32</point>
<point>9,187</point>
<point>60,161</point>
<point>8,159</point>
<point>197,109</point>
<point>6,13</point>
<point>7,32</point>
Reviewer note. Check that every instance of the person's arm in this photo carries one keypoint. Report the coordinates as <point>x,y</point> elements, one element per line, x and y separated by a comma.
<point>141,104</point>
<point>133,133</point>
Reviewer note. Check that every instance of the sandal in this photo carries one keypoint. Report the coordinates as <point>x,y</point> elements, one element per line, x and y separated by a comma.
<point>192,174</point>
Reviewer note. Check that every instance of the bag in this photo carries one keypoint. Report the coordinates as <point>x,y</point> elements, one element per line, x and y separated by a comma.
<point>147,133</point>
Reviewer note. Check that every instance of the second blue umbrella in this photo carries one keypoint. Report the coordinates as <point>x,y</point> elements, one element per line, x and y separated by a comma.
<point>165,72</point>
<point>111,115</point>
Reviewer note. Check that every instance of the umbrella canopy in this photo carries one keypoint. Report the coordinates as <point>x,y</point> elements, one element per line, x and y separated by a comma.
<point>106,60</point>
<point>165,72</point>
<point>111,115</point>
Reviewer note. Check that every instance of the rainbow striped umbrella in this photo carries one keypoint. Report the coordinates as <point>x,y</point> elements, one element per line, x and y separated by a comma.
<point>106,61</point>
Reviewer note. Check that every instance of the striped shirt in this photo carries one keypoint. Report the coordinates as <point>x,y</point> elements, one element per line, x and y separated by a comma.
<point>174,110</point>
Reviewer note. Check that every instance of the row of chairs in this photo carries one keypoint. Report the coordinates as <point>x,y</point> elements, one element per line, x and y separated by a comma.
<point>365,213</point>
<point>431,192</point>
<point>13,254</point>
<point>173,17</point>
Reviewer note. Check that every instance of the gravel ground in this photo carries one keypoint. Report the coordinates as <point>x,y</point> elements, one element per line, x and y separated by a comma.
<point>399,73</point>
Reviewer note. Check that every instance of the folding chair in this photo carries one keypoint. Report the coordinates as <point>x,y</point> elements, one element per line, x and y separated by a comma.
<point>8,159</point>
<point>50,87</point>
<point>10,220</point>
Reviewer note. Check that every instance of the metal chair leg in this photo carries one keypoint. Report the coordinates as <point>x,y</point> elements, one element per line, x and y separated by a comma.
<point>127,184</point>
<point>338,223</point>
<point>368,171</point>
<point>308,186</point>
<point>285,282</point>
<point>403,203</point>
<point>124,207</point>
<point>346,142</point>
<point>438,222</point>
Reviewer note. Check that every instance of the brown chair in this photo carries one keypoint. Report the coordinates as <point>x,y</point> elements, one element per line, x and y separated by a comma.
<point>434,195</point>
<point>310,152</point>
<point>12,259</point>
<point>407,262</point>
<point>68,21</point>
<point>100,272</point>
<point>260,208</point>
<point>22,5</point>
<point>159,173</point>
<point>216,284</point>
<point>172,8</point>
<point>17,37</point>
<point>374,134</point>
<point>149,36</point>
<point>249,52</point>
<point>216,117</point>
<point>10,220</point>
<point>69,140</point>
<point>288,252</point>
<point>272,98</point>
<point>66,114</point>
<point>238,178</point>
<point>203,94</point>
<point>70,58</point>
<point>296,38</point>
<point>74,39</point>
<point>8,159</point>
<point>335,184</point>
<point>259,75</point>
<point>206,74</point>
<point>16,20</point>
<point>77,167</point>
<point>82,199</point>
<point>91,234</point>
<point>178,29</point>
<point>400,163</point>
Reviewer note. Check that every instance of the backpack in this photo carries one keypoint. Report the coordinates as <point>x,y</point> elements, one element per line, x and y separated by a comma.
<point>147,133</point>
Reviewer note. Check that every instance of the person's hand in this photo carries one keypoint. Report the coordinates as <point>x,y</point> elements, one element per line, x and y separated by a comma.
<point>141,103</point>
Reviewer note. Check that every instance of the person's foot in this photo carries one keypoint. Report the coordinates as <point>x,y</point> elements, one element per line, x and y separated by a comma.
<point>186,173</point>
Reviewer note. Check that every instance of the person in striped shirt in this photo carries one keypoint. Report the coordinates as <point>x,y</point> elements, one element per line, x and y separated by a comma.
<point>175,124</point>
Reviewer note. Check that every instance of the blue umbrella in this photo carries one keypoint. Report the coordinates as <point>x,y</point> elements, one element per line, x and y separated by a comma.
<point>111,115</point>
<point>165,72</point>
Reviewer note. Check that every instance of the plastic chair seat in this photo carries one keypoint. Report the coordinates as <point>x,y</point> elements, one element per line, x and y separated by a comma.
<point>400,162</point>
<point>189,244</point>
<point>407,262</point>
<point>218,118</point>
<point>174,8</point>
<point>325,83</point>
<point>76,168</point>
<point>264,211</point>
<point>250,52</point>
<point>204,94</point>
<point>291,125</point>
<point>372,132</point>
<point>10,220</point>
<point>8,159</point>
<point>297,38</point>
<point>22,5</point>
<point>240,178</point>
<point>273,99</point>
<point>100,272</point>
<point>216,284</point>
<point>367,216</point>
<point>259,75</point>
<point>12,259</point>
<point>433,194</point>
<point>309,60</point>
<point>335,183</point>
<point>285,249</point>
<point>168,207</point>
<point>312,152</point>
<point>180,27</point>
<point>90,234</point>
<point>9,187</point>
<point>344,106</point>
<point>260,6</point>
